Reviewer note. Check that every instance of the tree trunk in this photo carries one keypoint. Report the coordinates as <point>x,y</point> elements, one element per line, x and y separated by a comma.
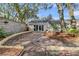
<point>61,15</point>
<point>71,13</point>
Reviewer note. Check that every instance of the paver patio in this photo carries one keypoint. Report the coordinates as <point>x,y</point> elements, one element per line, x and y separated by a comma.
<point>35,44</point>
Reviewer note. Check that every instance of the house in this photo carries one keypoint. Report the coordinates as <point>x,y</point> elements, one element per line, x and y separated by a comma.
<point>41,25</point>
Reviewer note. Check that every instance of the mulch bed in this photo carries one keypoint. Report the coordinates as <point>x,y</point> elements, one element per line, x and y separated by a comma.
<point>1,39</point>
<point>10,51</point>
<point>63,37</point>
<point>63,51</point>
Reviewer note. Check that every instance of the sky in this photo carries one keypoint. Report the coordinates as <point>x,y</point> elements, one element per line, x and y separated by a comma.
<point>53,11</point>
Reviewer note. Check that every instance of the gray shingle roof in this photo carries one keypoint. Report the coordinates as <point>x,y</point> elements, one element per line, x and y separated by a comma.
<point>35,21</point>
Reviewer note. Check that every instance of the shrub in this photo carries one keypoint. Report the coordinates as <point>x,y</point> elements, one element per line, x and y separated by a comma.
<point>3,34</point>
<point>54,26</point>
<point>72,31</point>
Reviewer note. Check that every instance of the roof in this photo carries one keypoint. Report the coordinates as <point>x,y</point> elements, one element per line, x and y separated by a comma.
<point>44,21</point>
<point>37,21</point>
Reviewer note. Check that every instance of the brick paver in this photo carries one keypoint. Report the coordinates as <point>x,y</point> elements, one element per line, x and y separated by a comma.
<point>35,43</point>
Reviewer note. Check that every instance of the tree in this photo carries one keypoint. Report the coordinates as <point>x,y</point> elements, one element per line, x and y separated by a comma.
<point>5,10</point>
<point>25,11</point>
<point>19,12</point>
<point>61,15</point>
<point>71,13</point>
<point>60,12</point>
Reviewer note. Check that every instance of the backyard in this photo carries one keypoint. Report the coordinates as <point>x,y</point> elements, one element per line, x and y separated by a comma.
<point>24,33</point>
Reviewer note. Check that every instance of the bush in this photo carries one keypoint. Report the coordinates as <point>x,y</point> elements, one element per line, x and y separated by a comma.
<point>72,30</point>
<point>3,34</point>
<point>54,26</point>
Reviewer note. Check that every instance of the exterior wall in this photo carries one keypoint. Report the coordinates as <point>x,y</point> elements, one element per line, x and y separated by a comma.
<point>12,27</point>
<point>46,26</point>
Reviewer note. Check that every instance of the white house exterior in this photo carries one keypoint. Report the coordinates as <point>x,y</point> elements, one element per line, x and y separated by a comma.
<point>39,25</point>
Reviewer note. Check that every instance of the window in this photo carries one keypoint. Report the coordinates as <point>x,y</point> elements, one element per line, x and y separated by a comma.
<point>42,27</point>
<point>35,27</point>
